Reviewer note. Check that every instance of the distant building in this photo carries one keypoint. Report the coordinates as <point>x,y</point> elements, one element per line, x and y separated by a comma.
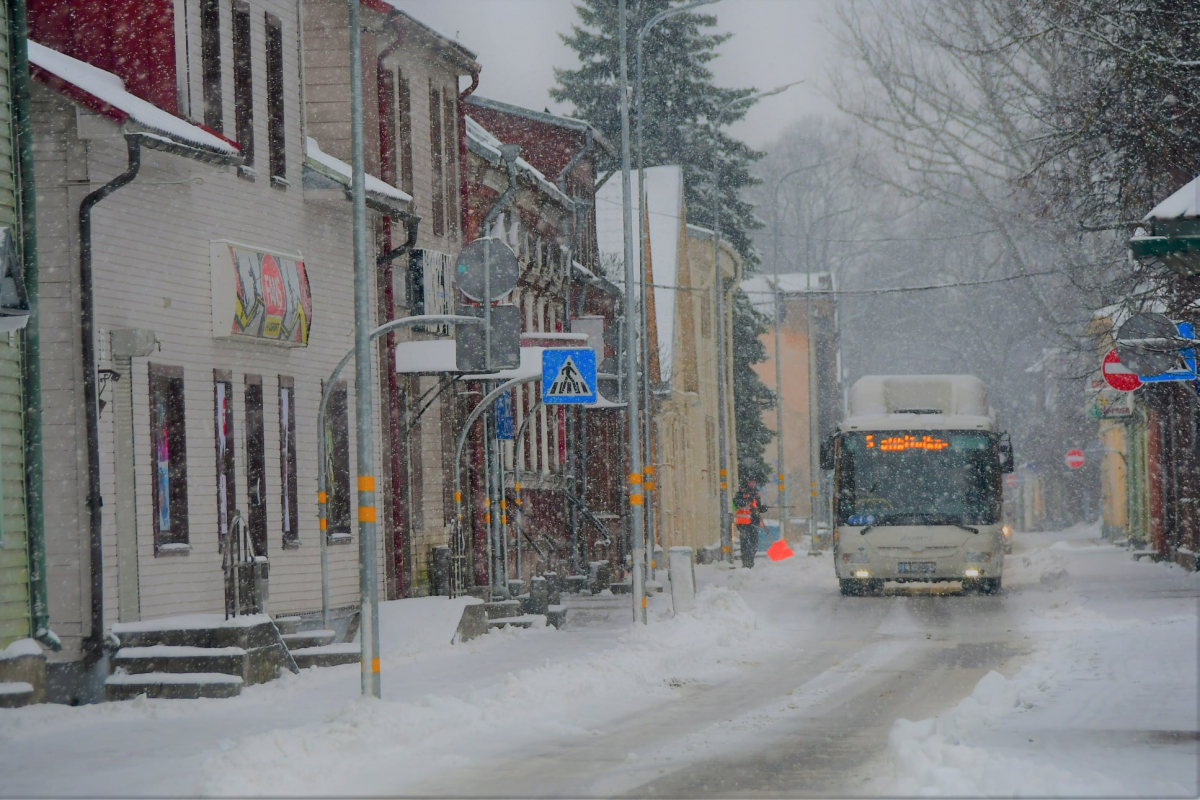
<point>809,335</point>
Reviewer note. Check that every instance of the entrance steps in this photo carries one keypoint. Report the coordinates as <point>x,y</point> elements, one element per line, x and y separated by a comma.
<point>195,656</point>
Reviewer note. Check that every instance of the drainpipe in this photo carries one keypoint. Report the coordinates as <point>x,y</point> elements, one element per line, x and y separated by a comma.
<point>508,154</point>
<point>35,519</point>
<point>464,194</point>
<point>87,315</point>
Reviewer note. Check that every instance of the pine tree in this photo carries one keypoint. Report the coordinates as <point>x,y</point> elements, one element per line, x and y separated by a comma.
<point>678,108</point>
<point>751,397</point>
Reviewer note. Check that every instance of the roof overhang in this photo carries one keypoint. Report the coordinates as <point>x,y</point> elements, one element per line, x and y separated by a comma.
<point>570,123</point>
<point>323,171</point>
<point>1170,245</point>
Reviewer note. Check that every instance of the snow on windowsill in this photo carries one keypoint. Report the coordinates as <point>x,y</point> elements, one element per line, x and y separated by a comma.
<point>178,549</point>
<point>20,648</point>
<point>343,173</point>
<point>16,687</point>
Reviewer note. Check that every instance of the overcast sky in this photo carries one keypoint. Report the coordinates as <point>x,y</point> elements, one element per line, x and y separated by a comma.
<point>774,42</point>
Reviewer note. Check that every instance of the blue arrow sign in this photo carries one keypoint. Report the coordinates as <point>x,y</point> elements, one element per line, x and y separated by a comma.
<point>568,376</point>
<point>1186,331</point>
<point>504,417</point>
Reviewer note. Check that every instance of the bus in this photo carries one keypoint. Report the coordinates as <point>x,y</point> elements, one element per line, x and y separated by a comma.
<point>917,470</point>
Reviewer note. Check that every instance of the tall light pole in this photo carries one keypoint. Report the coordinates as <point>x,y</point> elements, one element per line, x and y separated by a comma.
<point>648,459</point>
<point>636,518</point>
<point>783,504</point>
<point>368,578</point>
<point>719,286</point>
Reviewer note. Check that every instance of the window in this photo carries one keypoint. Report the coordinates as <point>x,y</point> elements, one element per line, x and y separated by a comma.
<point>256,466</point>
<point>451,143</point>
<point>287,463</point>
<point>275,128</point>
<point>226,476</point>
<point>387,127</point>
<point>243,83</point>
<point>404,119</point>
<point>439,178</point>
<point>337,460</point>
<point>210,61</point>
<point>169,458</point>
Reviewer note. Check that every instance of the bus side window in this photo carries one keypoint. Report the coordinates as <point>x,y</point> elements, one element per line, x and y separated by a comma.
<point>827,446</point>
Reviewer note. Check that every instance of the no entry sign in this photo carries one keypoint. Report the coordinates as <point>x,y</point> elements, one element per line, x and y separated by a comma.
<point>1074,459</point>
<point>1118,375</point>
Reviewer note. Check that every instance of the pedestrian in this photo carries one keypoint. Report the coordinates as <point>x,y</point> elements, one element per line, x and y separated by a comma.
<point>749,509</point>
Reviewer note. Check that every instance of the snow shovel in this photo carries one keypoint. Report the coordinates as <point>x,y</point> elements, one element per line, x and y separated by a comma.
<point>779,550</point>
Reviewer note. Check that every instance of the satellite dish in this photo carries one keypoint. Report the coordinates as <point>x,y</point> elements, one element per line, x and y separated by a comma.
<point>1149,344</point>
<point>477,260</point>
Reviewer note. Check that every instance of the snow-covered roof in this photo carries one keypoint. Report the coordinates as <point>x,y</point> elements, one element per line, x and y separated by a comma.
<point>110,91</point>
<point>760,289</point>
<point>559,120</point>
<point>339,171</point>
<point>1184,203</point>
<point>664,204</point>
<point>486,144</point>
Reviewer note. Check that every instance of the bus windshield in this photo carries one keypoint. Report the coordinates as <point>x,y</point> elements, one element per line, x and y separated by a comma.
<point>918,478</point>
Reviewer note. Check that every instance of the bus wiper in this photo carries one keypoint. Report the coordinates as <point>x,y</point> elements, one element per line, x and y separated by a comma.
<point>965,527</point>
<point>864,530</point>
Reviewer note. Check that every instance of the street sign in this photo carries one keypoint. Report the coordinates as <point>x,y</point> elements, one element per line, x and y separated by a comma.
<point>568,375</point>
<point>1111,404</point>
<point>1184,368</point>
<point>506,340</point>
<point>1010,480</point>
<point>483,258</point>
<point>1150,343</point>
<point>504,417</point>
<point>1118,375</point>
<point>1074,459</point>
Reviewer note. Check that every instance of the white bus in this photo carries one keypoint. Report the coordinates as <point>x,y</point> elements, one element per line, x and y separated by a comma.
<point>917,466</point>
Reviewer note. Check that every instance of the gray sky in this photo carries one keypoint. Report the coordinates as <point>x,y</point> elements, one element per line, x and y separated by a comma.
<point>774,42</point>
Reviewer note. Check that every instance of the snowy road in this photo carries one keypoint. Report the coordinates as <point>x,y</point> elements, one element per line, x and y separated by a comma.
<point>1081,679</point>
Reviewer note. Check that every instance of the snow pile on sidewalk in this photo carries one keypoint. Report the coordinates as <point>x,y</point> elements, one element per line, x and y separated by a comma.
<point>381,747</point>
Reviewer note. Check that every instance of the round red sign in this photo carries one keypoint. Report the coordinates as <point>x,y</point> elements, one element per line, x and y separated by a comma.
<point>1074,459</point>
<point>1118,375</point>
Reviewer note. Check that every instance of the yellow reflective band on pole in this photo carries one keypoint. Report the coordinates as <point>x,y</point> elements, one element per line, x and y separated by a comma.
<point>635,478</point>
<point>457,496</point>
<point>517,486</point>
<point>504,519</point>
<point>724,474</point>
<point>366,483</point>
<point>487,518</point>
<point>649,486</point>
<point>781,487</point>
<point>643,601</point>
<point>724,485</point>
<point>487,501</point>
<point>375,665</point>
<point>321,497</point>
<point>781,477</point>
<point>635,499</point>
<point>503,504</point>
<point>366,513</point>
<point>518,501</point>
<point>649,470</point>
<point>323,523</point>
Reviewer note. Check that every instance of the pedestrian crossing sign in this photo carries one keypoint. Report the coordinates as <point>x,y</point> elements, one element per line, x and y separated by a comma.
<point>568,375</point>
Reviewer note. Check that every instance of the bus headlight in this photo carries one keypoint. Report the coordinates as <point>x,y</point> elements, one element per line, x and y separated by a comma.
<point>971,573</point>
<point>978,558</point>
<point>861,573</point>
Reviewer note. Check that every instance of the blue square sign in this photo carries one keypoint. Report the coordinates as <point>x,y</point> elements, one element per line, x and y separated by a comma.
<point>568,376</point>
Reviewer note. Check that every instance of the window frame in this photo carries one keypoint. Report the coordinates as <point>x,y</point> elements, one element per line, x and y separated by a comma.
<point>289,493</point>
<point>337,467</point>
<point>437,163</point>
<point>224,443</point>
<point>210,65</point>
<point>276,122</point>
<point>243,81</point>
<point>169,379</point>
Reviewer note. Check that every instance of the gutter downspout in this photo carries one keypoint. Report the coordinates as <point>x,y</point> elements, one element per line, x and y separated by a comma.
<point>35,517</point>
<point>91,415</point>
<point>463,192</point>
<point>509,154</point>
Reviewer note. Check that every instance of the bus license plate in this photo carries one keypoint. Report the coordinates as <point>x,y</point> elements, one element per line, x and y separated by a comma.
<point>916,566</point>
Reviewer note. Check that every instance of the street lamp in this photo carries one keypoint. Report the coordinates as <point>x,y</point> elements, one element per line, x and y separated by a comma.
<point>648,447</point>
<point>726,532</point>
<point>783,504</point>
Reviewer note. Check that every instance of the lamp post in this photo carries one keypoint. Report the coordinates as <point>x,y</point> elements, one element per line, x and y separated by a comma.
<point>783,504</point>
<point>726,531</point>
<point>636,519</point>
<point>648,442</point>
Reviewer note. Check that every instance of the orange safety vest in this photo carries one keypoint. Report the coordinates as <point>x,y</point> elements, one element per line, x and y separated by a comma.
<point>742,516</point>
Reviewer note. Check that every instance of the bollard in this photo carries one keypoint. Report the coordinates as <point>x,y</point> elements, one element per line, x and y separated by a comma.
<point>555,583</point>
<point>682,572</point>
<point>539,596</point>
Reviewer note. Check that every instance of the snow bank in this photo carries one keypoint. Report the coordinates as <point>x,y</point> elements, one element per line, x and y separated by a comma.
<point>381,747</point>
<point>21,647</point>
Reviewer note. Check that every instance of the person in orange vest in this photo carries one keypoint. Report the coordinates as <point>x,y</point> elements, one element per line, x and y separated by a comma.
<point>748,511</point>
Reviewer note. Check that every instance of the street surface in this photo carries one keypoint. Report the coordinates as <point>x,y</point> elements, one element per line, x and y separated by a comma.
<point>775,686</point>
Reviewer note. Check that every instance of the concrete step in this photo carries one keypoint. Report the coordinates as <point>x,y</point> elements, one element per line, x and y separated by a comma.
<point>500,609</point>
<point>172,685</point>
<point>623,587</point>
<point>520,621</point>
<point>557,616</point>
<point>328,655</point>
<point>574,584</point>
<point>178,659</point>
<point>302,639</point>
<point>14,694</point>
